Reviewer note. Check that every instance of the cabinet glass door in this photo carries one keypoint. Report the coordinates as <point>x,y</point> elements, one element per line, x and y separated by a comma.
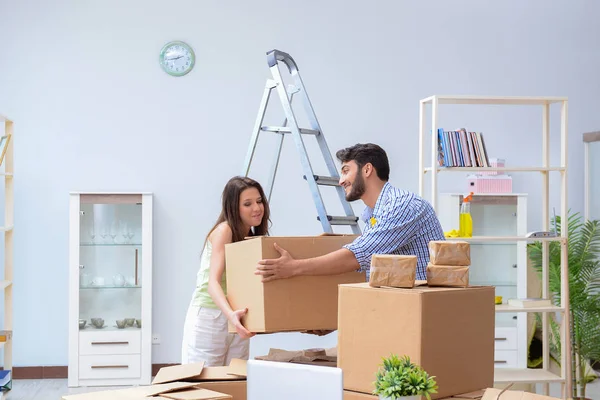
<point>110,251</point>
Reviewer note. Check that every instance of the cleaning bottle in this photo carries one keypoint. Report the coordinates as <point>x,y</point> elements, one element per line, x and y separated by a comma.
<point>466,222</point>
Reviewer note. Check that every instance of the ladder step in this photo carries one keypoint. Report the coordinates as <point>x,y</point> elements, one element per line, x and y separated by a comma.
<point>352,220</point>
<point>326,180</point>
<point>287,129</point>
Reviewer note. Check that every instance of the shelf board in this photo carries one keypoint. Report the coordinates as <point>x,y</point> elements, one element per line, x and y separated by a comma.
<point>512,309</point>
<point>6,228</point>
<point>5,284</point>
<point>492,100</point>
<point>109,287</point>
<point>7,174</point>
<point>524,375</point>
<point>109,244</point>
<point>498,169</point>
<point>107,328</point>
<point>483,239</point>
<point>496,284</point>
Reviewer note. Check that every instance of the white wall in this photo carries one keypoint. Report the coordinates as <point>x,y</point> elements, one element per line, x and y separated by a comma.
<point>94,111</point>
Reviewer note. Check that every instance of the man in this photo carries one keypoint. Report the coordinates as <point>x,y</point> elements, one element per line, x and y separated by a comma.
<point>397,222</point>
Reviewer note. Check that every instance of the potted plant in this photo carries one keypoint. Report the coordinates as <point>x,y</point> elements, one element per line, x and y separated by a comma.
<point>399,378</point>
<point>584,296</point>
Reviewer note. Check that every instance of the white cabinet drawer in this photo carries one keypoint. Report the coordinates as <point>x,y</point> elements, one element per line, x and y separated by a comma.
<point>109,342</point>
<point>111,366</point>
<point>505,339</point>
<point>505,359</point>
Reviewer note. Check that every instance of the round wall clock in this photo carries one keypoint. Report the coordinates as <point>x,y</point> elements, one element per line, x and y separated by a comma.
<point>177,58</point>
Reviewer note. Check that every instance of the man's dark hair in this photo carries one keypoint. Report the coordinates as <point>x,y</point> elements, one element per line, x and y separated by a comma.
<point>366,153</point>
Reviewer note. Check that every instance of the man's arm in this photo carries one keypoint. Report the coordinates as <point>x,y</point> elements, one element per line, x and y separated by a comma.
<point>333,263</point>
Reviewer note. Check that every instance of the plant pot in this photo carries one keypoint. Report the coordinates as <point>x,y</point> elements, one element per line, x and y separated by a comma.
<point>417,397</point>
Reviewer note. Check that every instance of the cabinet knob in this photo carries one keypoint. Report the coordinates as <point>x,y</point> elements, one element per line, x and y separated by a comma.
<point>81,266</point>
<point>514,265</point>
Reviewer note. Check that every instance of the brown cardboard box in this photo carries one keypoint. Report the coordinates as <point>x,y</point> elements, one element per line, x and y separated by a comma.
<point>498,394</point>
<point>349,395</point>
<point>495,394</point>
<point>294,304</point>
<point>173,390</point>
<point>448,331</point>
<point>200,384</point>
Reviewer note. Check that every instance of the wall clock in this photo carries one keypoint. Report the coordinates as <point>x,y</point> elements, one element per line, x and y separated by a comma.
<point>177,58</point>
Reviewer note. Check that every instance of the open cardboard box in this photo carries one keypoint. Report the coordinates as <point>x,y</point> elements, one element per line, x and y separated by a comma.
<point>183,382</point>
<point>294,304</point>
<point>499,394</point>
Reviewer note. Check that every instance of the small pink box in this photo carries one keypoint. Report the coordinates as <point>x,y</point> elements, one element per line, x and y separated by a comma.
<point>495,163</point>
<point>489,184</point>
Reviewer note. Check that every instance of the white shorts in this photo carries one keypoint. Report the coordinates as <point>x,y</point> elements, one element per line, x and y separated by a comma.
<point>206,338</point>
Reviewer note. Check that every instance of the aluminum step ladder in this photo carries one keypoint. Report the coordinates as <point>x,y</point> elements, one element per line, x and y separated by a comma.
<point>290,126</point>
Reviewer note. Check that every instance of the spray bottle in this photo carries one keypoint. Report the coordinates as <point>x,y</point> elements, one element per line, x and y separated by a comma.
<point>466,222</point>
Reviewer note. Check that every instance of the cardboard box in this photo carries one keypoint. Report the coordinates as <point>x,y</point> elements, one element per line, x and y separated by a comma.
<point>294,304</point>
<point>210,383</point>
<point>173,390</point>
<point>349,395</point>
<point>448,331</point>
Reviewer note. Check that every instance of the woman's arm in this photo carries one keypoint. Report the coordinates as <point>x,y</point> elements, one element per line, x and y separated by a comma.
<point>221,236</point>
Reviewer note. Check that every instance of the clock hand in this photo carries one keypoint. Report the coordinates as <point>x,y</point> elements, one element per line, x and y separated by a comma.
<point>175,58</point>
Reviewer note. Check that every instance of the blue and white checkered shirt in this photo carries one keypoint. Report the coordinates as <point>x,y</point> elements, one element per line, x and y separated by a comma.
<point>400,223</point>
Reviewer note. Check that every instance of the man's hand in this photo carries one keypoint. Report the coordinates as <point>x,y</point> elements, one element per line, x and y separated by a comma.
<point>277,268</point>
<point>236,319</point>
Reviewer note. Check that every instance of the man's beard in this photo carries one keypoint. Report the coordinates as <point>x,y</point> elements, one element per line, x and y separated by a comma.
<point>358,189</point>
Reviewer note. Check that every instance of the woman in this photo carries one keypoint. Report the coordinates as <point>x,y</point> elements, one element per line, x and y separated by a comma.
<point>245,212</point>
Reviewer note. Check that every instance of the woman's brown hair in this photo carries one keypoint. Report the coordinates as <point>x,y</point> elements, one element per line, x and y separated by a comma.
<point>230,209</point>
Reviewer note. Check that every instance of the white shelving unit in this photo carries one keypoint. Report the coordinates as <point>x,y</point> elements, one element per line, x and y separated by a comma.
<point>517,375</point>
<point>110,277</point>
<point>502,263</point>
<point>7,283</point>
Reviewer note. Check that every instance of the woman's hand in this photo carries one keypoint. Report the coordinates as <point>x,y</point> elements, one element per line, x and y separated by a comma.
<point>236,320</point>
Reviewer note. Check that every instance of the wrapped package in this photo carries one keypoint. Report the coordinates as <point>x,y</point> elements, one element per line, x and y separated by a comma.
<point>393,270</point>
<point>442,252</point>
<point>447,275</point>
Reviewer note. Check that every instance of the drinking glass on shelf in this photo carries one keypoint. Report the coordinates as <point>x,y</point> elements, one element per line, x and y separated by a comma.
<point>114,230</point>
<point>103,233</point>
<point>92,233</point>
<point>130,233</point>
<point>124,232</point>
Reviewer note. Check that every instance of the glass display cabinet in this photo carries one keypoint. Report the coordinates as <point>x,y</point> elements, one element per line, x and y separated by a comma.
<point>110,289</point>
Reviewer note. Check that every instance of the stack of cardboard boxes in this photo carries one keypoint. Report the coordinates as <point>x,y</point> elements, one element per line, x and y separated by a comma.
<point>445,326</point>
<point>447,330</point>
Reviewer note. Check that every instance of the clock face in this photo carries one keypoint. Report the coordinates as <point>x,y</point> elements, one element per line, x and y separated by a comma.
<point>177,58</point>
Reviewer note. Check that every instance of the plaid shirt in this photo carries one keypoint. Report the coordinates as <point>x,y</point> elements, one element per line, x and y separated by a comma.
<point>400,223</point>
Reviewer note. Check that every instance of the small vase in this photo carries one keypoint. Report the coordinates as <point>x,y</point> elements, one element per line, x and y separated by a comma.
<point>417,397</point>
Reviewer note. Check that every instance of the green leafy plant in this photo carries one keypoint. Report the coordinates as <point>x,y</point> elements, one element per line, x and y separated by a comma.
<point>584,294</point>
<point>399,377</point>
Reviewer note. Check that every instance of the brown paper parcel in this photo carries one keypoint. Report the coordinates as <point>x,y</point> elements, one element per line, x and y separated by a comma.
<point>447,275</point>
<point>442,252</point>
<point>327,358</point>
<point>393,270</point>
